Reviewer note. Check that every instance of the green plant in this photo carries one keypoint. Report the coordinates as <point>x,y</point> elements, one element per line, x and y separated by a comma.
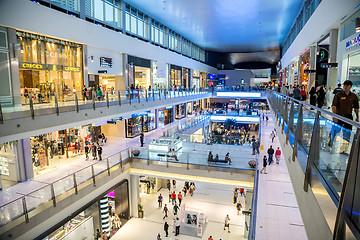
<point>140,208</point>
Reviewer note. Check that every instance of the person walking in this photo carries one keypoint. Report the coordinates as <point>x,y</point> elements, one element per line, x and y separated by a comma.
<point>210,238</point>
<point>174,184</point>
<point>141,139</point>
<point>227,223</point>
<point>338,89</point>
<point>177,226</point>
<point>264,165</point>
<point>238,207</point>
<point>272,136</point>
<point>176,208</point>
<point>166,229</point>
<point>158,237</point>
<point>329,96</point>
<point>180,198</point>
<point>271,152</point>
<point>170,194</point>
<point>173,198</point>
<point>99,150</point>
<point>297,93</point>
<point>312,96</point>
<point>165,210</point>
<point>184,191</point>
<point>303,93</point>
<point>277,155</point>
<point>86,149</point>
<point>160,199</point>
<point>343,104</point>
<point>320,96</point>
<point>94,151</point>
<point>235,197</point>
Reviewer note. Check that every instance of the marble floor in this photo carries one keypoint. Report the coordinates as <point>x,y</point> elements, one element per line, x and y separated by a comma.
<point>214,200</point>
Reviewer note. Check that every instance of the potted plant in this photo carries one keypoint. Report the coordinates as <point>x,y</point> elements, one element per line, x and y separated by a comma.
<point>252,163</point>
<point>140,211</point>
<point>135,152</point>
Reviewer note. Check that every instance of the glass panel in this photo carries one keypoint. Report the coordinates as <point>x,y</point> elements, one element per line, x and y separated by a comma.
<point>38,197</point>
<point>127,20</point>
<point>109,14</point>
<point>99,9</point>
<point>83,175</point>
<point>11,211</point>
<point>118,14</point>
<point>133,24</point>
<point>63,185</point>
<point>140,28</point>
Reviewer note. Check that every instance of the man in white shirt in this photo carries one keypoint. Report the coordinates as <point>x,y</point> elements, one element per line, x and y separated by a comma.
<point>227,223</point>
<point>177,226</point>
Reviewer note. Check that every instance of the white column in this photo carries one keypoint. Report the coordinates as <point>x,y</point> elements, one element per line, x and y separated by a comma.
<point>134,195</point>
<point>332,72</point>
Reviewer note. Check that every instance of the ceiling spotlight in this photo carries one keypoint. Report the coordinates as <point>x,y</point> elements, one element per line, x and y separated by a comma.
<point>357,24</point>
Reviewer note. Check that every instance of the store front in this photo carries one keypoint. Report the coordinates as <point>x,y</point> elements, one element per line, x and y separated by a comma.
<point>196,106</point>
<point>175,76</point>
<point>8,164</point>
<point>106,82</point>
<point>196,79</point>
<point>58,148</point>
<point>186,77</point>
<point>149,185</point>
<point>106,215</point>
<point>203,79</point>
<point>48,65</point>
<point>304,65</point>
<point>189,108</point>
<point>141,122</point>
<point>165,116</point>
<point>139,73</point>
<point>180,111</point>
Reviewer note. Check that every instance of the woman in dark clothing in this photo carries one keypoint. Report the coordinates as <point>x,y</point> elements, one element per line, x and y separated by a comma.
<point>321,97</point>
<point>312,96</point>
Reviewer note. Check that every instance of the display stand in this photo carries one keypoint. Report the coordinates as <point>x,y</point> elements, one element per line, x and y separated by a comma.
<point>192,223</point>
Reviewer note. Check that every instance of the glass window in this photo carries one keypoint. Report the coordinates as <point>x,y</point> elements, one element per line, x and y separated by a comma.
<point>133,24</point>
<point>118,16</point>
<point>99,9</point>
<point>109,14</point>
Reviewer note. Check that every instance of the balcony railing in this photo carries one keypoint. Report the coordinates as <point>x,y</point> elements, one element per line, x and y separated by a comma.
<point>43,103</point>
<point>323,147</point>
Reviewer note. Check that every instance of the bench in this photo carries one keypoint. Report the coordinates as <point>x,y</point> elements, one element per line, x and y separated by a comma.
<point>218,161</point>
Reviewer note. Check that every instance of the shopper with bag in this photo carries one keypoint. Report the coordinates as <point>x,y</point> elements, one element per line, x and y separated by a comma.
<point>277,155</point>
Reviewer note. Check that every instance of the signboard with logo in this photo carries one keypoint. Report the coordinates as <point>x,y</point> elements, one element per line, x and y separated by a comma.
<point>106,62</point>
<point>50,67</point>
<point>353,42</point>
<point>328,65</point>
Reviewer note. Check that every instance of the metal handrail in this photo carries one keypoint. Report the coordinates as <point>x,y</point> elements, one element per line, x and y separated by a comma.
<point>334,115</point>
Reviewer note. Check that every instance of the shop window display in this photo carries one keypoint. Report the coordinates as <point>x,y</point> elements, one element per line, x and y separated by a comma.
<point>49,65</point>
<point>143,122</point>
<point>142,78</point>
<point>354,71</point>
<point>8,172</point>
<point>53,149</point>
<point>165,116</point>
<point>180,111</point>
<point>231,132</point>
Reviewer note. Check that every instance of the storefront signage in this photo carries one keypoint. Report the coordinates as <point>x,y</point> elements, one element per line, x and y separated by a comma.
<point>353,42</point>
<point>35,66</point>
<point>50,67</point>
<point>42,157</point>
<point>309,71</point>
<point>106,62</point>
<point>328,65</point>
<point>71,69</point>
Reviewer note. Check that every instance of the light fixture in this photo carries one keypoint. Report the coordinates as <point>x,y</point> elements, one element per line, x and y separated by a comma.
<point>91,58</point>
<point>357,24</point>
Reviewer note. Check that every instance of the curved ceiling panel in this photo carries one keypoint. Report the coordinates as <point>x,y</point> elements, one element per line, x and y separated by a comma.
<point>226,25</point>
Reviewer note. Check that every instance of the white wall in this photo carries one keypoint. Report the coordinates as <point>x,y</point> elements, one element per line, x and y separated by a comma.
<point>343,54</point>
<point>94,67</point>
<point>28,16</point>
<point>326,17</point>
<point>233,77</point>
<point>83,231</point>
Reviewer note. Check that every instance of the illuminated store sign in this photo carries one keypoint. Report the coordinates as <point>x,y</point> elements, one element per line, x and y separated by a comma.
<point>353,42</point>
<point>34,66</point>
<point>215,118</point>
<point>239,94</point>
<point>51,67</point>
<point>106,62</point>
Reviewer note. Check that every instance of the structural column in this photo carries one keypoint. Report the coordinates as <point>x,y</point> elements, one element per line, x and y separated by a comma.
<point>332,72</point>
<point>156,118</point>
<point>173,112</point>
<point>312,66</point>
<point>185,109</point>
<point>134,195</point>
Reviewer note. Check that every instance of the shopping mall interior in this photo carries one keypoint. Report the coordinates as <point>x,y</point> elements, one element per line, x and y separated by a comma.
<point>134,119</point>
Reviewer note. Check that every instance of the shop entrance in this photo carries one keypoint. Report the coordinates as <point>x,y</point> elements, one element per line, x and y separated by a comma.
<point>165,116</point>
